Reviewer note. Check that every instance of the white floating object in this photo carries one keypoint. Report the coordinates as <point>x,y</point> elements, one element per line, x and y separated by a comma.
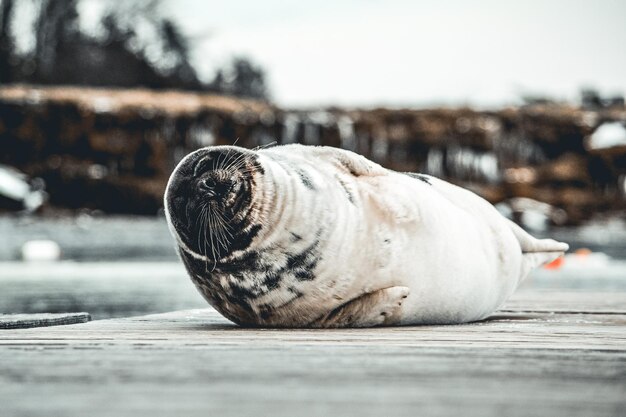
<point>14,185</point>
<point>608,135</point>
<point>41,251</point>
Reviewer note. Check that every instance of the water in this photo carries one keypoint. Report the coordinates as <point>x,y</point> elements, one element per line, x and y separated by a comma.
<point>103,289</point>
<point>88,238</point>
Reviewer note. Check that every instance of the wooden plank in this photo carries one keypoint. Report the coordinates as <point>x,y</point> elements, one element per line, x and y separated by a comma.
<point>196,363</point>
<point>23,321</point>
<point>529,322</point>
<point>524,330</point>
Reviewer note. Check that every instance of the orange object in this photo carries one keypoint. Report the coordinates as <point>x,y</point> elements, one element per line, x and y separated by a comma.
<point>583,252</point>
<point>556,264</point>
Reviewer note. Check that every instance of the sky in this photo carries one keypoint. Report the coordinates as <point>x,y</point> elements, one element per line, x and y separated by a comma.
<point>412,53</point>
<point>395,52</point>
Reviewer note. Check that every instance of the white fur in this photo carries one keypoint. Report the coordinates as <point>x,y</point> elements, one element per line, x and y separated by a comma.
<point>460,258</point>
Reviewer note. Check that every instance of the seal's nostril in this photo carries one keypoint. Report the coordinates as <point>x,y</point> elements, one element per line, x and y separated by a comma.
<point>207,187</point>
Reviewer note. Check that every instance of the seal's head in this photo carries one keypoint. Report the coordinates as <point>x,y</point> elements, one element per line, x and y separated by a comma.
<point>209,199</point>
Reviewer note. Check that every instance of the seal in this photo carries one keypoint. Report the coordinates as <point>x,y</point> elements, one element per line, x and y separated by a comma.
<point>303,236</point>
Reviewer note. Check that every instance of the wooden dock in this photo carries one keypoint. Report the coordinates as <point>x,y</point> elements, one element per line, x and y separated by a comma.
<point>543,354</point>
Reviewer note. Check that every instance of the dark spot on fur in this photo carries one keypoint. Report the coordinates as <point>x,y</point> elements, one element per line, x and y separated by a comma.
<point>304,275</point>
<point>246,262</point>
<point>241,296</point>
<point>345,162</point>
<point>417,176</point>
<point>272,280</point>
<point>346,190</point>
<point>387,240</point>
<point>243,239</point>
<point>242,292</point>
<point>305,179</point>
<point>295,237</point>
<point>297,261</point>
<point>256,165</point>
<point>303,263</point>
<point>265,311</point>
<point>295,292</point>
<point>242,200</point>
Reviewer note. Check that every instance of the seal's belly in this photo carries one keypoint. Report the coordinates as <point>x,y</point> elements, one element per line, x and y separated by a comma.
<point>457,266</point>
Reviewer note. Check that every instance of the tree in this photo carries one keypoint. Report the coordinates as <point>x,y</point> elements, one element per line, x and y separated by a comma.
<point>57,32</point>
<point>6,41</point>
<point>120,56</point>
<point>242,78</point>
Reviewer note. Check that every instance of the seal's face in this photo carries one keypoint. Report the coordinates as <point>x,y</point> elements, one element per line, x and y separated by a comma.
<point>209,198</point>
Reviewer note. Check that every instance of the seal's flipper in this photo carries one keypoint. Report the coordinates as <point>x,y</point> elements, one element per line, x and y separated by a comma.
<point>535,251</point>
<point>378,308</point>
<point>530,244</point>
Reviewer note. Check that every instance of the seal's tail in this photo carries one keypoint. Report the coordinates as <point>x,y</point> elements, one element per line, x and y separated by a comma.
<point>537,251</point>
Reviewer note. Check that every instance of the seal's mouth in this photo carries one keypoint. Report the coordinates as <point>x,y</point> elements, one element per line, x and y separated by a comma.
<point>219,186</point>
<point>207,198</point>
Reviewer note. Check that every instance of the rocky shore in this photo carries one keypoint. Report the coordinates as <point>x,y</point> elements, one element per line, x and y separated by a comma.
<point>112,150</point>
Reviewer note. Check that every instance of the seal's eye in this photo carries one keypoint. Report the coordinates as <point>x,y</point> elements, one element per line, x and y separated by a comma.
<point>235,187</point>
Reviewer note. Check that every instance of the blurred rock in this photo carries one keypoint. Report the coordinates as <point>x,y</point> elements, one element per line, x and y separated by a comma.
<point>567,168</point>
